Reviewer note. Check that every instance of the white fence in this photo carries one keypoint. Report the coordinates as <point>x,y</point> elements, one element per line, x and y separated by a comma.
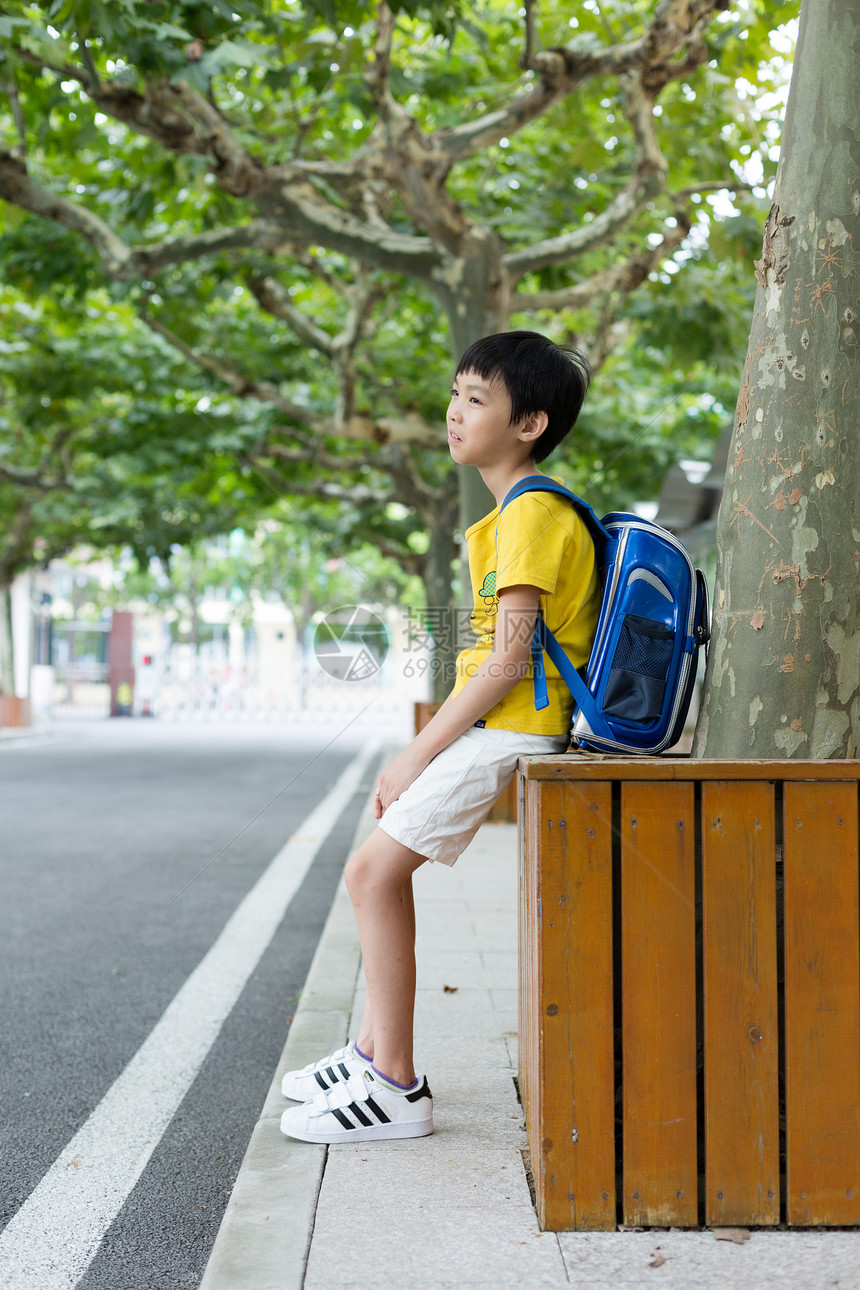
<point>184,685</point>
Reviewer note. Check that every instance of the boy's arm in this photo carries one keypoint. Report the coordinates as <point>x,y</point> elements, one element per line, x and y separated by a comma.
<point>505,666</point>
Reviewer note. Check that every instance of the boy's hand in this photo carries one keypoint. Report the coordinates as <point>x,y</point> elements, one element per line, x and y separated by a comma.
<point>397,777</point>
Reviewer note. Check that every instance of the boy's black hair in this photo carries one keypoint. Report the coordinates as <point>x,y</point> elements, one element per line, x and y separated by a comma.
<point>538,375</point>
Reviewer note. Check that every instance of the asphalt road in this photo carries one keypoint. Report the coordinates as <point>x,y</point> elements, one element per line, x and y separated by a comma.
<point>124,850</point>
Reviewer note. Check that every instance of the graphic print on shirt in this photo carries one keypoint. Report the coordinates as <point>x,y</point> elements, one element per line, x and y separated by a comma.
<point>484,624</point>
<point>488,592</point>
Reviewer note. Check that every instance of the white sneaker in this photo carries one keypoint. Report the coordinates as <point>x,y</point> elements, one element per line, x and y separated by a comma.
<point>361,1110</point>
<point>323,1075</point>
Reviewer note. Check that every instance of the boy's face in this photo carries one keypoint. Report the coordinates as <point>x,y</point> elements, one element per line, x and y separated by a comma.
<point>480,432</point>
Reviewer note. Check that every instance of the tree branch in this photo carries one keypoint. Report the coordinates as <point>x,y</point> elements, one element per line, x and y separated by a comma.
<point>170,112</point>
<point>27,478</point>
<point>302,214</point>
<point>677,26</point>
<point>314,455</point>
<point>182,121</point>
<point>649,174</point>
<point>119,260</point>
<point>731,185</point>
<point>10,89</point>
<point>362,297</point>
<point>239,383</point>
<point>257,235</point>
<point>436,505</point>
<point>624,277</point>
<point>16,550</point>
<point>275,299</point>
<point>532,39</point>
<point>38,478</point>
<point>378,75</point>
<point>17,187</point>
<point>316,488</point>
<point>642,189</point>
<point>404,153</point>
<point>610,332</point>
<point>410,561</point>
<point>409,428</point>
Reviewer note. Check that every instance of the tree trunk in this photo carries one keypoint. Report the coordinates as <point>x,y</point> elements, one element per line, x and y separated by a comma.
<point>784,671</point>
<point>472,289</point>
<point>7,646</point>
<point>442,618</point>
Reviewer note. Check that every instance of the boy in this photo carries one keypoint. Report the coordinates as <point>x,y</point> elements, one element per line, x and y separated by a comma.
<point>515,397</point>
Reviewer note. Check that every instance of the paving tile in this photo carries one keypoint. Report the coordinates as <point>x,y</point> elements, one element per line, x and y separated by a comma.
<point>453,967</point>
<point>804,1260</point>
<point>491,1246</point>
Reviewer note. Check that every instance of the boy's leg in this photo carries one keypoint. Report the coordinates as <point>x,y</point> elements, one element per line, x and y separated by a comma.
<point>379,881</point>
<point>364,1042</point>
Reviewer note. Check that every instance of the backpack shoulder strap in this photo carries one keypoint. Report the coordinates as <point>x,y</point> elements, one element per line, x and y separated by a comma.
<point>543,638</point>
<point>544,484</point>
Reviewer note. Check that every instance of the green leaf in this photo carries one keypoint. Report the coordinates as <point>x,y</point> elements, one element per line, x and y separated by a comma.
<point>232,54</point>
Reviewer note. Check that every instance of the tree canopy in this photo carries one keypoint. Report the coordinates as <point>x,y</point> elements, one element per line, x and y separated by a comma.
<point>316,206</point>
<point>101,444</point>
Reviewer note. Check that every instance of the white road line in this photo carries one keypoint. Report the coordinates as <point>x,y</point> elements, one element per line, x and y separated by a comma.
<point>54,1236</point>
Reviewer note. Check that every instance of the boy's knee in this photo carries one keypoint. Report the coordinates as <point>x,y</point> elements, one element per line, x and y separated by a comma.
<point>350,873</point>
<point>379,865</point>
<point>357,871</point>
<point>370,869</point>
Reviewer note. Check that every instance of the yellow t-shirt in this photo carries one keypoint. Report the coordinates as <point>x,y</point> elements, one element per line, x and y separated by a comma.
<point>541,543</point>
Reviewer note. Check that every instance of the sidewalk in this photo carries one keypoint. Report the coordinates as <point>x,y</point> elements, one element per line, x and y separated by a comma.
<point>10,733</point>
<point>454,1210</point>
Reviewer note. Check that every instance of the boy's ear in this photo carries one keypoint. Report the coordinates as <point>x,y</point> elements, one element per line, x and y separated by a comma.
<point>534,426</point>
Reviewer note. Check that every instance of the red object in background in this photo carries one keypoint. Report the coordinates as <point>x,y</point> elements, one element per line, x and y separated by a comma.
<point>14,711</point>
<point>121,668</point>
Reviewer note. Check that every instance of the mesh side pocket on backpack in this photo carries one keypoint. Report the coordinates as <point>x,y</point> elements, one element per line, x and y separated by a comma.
<point>637,678</point>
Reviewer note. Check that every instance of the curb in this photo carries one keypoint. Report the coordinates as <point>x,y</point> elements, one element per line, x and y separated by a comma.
<point>12,734</point>
<point>265,1234</point>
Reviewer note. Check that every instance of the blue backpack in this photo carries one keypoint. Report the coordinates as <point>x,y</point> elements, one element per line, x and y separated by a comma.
<point>653,621</point>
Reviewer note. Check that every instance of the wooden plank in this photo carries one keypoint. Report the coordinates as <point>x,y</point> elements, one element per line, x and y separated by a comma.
<point>572,1130</point>
<point>740,1004</point>
<point>578,766</point>
<point>822,1004</point>
<point>504,810</point>
<point>658,971</point>
<point>423,713</point>
<point>528,840</point>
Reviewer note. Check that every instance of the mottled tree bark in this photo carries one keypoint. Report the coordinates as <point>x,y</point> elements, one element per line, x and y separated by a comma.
<point>783,676</point>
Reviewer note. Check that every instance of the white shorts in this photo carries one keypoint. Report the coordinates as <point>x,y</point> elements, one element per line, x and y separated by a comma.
<point>441,811</point>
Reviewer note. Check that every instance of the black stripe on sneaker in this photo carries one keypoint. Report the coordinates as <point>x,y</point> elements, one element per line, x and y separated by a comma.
<point>343,1070</point>
<point>331,1075</point>
<point>344,1119</point>
<point>423,1091</point>
<point>359,1115</point>
<point>378,1111</point>
<point>319,1079</point>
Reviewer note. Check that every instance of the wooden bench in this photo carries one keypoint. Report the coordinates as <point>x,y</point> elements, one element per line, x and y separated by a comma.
<point>690,991</point>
